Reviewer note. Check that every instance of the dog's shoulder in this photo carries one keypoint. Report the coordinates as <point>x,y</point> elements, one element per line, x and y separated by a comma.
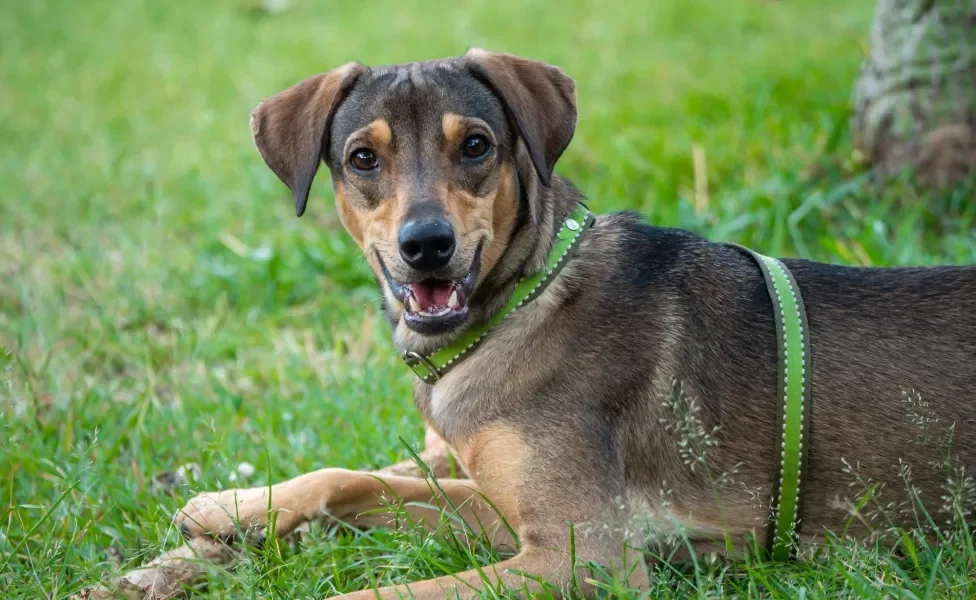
<point>637,253</point>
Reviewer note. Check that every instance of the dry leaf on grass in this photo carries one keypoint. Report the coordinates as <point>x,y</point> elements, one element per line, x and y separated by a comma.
<point>166,577</point>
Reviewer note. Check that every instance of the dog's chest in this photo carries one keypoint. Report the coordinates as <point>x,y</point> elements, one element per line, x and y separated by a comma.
<point>492,380</point>
<point>462,403</point>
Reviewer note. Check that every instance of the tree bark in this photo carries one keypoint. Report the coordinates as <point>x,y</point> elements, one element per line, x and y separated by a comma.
<point>915,99</point>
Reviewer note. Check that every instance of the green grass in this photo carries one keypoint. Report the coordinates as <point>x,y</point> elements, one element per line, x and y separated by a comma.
<point>160,304</point>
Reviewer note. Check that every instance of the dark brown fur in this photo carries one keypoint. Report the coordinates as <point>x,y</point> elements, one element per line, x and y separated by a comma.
<point>569,412</point>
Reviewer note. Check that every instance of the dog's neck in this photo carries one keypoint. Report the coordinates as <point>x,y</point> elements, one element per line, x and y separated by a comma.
<point>543,212</point>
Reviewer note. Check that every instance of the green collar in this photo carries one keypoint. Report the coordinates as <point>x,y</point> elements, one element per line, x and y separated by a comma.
<point>431,368</point>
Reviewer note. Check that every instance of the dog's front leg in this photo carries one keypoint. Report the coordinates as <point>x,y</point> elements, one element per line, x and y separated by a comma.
<point>217,513</point>
<point>522,574</point>
<point>541,504</point>
<point>358,498</point>
<point>437,459</point>
<point>181,567</point>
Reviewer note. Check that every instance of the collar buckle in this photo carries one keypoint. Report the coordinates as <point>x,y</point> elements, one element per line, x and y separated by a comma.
<point>415,360</point>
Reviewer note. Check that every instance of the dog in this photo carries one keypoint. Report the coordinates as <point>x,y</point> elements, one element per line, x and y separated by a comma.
<point>633,397</point>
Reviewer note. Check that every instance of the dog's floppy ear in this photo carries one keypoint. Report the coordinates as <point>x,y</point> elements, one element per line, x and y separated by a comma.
<point>539,97</point>
<point>291,127</point>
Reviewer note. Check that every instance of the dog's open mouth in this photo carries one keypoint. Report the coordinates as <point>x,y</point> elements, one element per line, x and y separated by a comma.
<point>434,298</point>
<point>435,305</point>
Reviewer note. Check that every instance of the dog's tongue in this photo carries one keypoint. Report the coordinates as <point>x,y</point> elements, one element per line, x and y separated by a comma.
<point>431,294</point>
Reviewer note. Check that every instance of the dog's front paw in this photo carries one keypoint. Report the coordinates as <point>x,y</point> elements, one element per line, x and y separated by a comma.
<point>234,513</point>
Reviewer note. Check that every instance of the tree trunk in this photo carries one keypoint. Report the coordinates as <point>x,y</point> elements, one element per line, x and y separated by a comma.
<point>915,100</point>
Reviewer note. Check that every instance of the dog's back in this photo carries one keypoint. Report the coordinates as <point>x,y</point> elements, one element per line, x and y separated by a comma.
<point>893,381</point>
<point>894,385</point>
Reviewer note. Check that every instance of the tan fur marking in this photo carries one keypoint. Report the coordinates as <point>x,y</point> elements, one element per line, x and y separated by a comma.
<point>380,224</point>
<point>468,212</point>
<point>504,210</point>
<point>495,457</point>
<point>375,228</point>
<point>453,127</point>
<point>347,214</point>
<point>355,497</point>
<point>381,134</point>
<point>552,567</point>
<point>436,455</point>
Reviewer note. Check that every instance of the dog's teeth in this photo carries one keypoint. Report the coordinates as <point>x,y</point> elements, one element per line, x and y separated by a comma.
<point>452,302</point>
<point>412,305</point>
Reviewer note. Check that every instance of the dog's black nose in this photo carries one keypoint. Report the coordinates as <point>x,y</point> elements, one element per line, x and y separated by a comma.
<point>426,244</point>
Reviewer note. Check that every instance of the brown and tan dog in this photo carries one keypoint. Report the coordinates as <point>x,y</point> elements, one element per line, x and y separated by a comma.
<point>590,405</point>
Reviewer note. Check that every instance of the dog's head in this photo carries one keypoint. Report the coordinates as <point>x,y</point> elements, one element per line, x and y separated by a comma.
<point>430,163</point>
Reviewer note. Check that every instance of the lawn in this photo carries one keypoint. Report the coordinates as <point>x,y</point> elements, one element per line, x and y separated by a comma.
<point>160,304</point>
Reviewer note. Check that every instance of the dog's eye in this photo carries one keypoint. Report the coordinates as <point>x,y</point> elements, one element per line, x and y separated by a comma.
<point>475,146</point>
<point>364,159</point>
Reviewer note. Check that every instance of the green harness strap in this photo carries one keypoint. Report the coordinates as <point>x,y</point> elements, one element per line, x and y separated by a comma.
<point>793,418</point>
